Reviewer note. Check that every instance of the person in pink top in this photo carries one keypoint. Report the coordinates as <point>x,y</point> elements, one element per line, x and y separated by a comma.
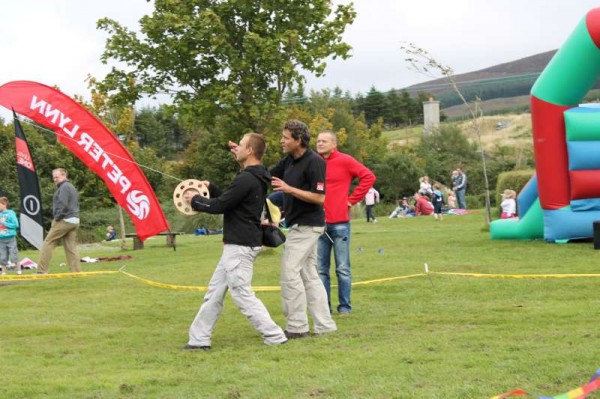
<point>341,170</point>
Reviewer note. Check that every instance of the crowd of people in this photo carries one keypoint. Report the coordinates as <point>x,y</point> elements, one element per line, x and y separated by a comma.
<point>433,199</point>
<point>318,224</point>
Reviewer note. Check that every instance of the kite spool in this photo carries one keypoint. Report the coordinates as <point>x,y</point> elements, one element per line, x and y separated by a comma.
<point>190,184</point>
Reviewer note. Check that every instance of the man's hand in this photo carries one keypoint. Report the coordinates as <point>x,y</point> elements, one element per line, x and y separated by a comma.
<point>280,185</point>
<point>232,146</point>
<point>189,194</point>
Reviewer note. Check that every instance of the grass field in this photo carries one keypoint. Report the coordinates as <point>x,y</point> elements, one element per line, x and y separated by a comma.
<point>447,336</point>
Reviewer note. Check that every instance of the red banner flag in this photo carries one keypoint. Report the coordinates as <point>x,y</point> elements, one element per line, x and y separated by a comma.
<point>84,135</point>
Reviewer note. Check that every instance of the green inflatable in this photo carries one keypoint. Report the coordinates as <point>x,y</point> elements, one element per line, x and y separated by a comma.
<point>528,227</point>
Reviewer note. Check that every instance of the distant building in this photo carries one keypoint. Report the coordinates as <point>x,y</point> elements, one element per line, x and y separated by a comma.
<point>431,116</point>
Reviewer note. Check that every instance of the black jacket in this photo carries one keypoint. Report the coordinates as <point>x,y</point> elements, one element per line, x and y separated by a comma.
<point>241,205</point>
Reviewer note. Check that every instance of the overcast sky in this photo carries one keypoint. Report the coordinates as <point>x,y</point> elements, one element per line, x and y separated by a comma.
<point>55,42</point>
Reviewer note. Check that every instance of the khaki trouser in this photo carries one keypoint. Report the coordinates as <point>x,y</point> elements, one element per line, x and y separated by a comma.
<point>301,286</point>
<point>68,233</point>
<point>234,274</point>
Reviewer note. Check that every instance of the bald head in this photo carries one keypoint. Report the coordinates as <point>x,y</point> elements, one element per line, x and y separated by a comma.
<point>326,143</point>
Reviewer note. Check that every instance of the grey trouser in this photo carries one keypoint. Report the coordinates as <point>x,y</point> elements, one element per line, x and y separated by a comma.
<point>68,233</point>
<point>9,251</point>
<point>300,282</point>
<point>234,273</point>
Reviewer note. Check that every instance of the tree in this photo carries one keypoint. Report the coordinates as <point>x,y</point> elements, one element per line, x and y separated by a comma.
<point>397,175</point>
<point>423,62</point>
<point>374,105</point>
<point>443,150</point>
<point>225,57</point>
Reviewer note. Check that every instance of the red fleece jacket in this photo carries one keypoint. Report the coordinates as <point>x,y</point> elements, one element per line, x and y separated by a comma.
<point>341,170</point>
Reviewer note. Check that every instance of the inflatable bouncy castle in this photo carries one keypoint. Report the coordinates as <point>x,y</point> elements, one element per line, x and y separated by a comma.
<point>563,200</point>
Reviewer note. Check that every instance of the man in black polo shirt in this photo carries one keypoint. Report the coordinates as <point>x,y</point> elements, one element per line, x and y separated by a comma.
<point>301,177</point>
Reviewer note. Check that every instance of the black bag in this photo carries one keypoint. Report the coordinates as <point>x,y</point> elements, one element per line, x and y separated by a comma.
<point>271,235</point>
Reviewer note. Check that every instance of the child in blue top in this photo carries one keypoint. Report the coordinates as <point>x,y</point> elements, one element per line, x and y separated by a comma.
<point>8,236</point>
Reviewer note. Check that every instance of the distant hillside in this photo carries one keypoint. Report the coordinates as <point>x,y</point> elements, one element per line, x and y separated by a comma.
<point>508,80</point>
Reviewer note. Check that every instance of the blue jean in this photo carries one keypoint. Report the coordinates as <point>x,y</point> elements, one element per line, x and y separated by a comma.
<point>336,237</point>
<point>460,198</point>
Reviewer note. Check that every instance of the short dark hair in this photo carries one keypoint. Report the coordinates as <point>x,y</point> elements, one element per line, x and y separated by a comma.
<point>299,130</point>
<point>332,135</point>
<point>257,143</point>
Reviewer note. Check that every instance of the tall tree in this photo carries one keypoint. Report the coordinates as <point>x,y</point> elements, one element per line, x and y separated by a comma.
<point>374,105</point>
<point>231,57</point>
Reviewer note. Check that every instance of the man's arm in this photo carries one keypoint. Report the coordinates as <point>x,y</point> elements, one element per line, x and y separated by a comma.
<point>60,206</point>
<point>303,195</point>
<point>366,179</point>
<point>228,199</point>
<point>462,181</point>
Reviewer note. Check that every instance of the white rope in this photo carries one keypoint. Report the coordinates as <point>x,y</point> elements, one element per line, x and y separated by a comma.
<point>113,155</point>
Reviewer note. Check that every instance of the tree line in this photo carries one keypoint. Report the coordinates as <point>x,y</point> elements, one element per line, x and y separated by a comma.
<point>232,67</point>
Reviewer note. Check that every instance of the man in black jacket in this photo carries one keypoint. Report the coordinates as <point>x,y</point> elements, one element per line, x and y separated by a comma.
<point>241,205</point>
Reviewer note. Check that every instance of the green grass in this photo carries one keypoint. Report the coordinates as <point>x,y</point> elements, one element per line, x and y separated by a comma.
<point>407,135</point>
<point>111,336</point>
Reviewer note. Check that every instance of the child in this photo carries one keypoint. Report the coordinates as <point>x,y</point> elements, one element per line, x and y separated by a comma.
<point>508,205</point>
<point>8,241</point>
<point>451,200</point>
<point>111,234</point>
<point>425,186</point>
<point>402,210</point>
<point>437,199</point>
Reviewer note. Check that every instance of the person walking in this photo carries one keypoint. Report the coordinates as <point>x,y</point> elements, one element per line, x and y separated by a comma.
<point>341,170</point>
<point>300,175</point>
<point>241,205</point>
<point>371,198</point>
<point>65,213</point>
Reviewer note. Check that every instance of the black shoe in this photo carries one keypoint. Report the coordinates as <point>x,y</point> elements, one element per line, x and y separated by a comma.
<point>293,335</point>
<point>196,347</point>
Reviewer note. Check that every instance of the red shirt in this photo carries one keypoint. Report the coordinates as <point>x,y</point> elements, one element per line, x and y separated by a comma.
<point>423,207</point>
<point>341,170</point>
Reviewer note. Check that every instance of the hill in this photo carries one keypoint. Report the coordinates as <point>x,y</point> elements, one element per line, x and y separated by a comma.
<point>511,80</point>
<point>508,130</point>
<point>522,70</point>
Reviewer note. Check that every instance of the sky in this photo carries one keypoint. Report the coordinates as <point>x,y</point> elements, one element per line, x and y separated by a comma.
<point>56,42</point>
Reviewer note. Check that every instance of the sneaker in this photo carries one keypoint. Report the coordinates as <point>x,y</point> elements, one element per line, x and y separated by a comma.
<point>19,272</point>
<point>293,335</point>
<point>196,347</point>
<point>4,273</point>
<point>374,220</point>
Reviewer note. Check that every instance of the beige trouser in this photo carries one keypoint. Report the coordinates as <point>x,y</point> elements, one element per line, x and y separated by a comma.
<point>68,233</point>
<point>234,274</point>
<point>300,282</point>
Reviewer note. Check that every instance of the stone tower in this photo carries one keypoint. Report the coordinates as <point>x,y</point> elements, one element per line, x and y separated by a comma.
<point>431,116</point>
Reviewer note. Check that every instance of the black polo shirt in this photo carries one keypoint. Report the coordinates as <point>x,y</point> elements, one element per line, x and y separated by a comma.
<point>305,173</point>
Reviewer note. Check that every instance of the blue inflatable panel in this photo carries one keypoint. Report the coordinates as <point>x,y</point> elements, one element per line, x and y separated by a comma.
<point>583,155</point>
<point>588,204</point>
<point>527,196</point>
<point>564,224</point>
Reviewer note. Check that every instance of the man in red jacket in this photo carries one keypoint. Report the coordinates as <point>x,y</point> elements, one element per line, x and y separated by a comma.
<point>341,170</point>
